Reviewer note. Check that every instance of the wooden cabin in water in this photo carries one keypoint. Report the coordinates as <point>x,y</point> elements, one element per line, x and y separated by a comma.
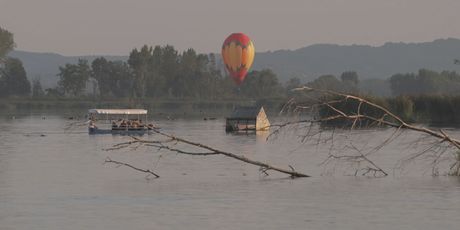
<point>246,118</point>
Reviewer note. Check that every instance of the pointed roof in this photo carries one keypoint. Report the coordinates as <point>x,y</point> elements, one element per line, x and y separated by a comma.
<point>245,112</point>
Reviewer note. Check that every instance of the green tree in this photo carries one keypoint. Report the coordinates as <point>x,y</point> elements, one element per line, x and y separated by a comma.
<point>227,88</point>
<point>376,87</point>
<point>193,78</point>
<point>139,62</point>
<point>261,84</point>
<point>329,82</point>
<point>350,81</point>
<point>113,78</point>
<point>169,68</point>
<point>428,81</point>
<point>425,82</point>
<point>403,84</point>
<point>155,81</point>
<point>350,77</point>
<point>121,79</point>
<point>13,79</point>
<point>73,77</point>
<point>6,43</point>
<point>101,73</point>
<point>37,90</point>
<point>54,92</point>
<point>215,78</point>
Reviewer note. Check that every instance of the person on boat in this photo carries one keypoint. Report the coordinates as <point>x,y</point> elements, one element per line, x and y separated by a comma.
<point>134,125</point>
<point>123,124</point>
<point>141,124</point>
<point>92,125</point>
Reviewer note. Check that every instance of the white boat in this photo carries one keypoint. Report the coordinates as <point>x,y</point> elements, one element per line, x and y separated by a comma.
<point>118,121</point>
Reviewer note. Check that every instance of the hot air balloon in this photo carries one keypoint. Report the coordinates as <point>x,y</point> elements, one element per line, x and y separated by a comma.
<point>238,55</point>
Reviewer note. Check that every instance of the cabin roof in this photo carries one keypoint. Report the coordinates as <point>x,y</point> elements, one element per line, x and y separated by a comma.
<point>118,111</point>
<point>245,112</point>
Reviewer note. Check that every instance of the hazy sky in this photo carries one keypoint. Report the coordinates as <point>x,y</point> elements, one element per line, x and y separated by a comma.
<point>77,27</point>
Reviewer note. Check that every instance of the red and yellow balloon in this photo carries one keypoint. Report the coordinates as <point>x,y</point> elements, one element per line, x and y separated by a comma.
<point>238,55</point>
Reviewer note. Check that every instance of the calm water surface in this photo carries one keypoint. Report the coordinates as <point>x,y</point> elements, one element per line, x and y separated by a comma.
<point>58,181</point>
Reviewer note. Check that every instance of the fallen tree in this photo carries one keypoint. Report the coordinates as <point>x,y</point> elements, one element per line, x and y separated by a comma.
<point>318,111</point>
<point>169,143</point>
<point>330,109</point>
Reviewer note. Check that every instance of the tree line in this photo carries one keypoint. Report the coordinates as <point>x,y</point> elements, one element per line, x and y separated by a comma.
<point>426,96</point>
<point>426,82</point>
<point>13,77</point>
<point>162,72</point>
<point>159,72</point>
<point>149,72</point>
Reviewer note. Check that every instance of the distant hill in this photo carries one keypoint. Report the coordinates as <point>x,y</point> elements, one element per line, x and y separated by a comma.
<point>46,65</point>
<point>370,62</point>
<point>306,63</point>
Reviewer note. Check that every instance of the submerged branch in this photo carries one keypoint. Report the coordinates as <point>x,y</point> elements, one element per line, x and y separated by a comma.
<point>263,165</point>
<point>148,171</point>
<point>171,140</point>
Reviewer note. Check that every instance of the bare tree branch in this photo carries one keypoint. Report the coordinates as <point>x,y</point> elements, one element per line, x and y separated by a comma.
<point>170,140</point>
<point>148,171</point>
<point>331,101</point>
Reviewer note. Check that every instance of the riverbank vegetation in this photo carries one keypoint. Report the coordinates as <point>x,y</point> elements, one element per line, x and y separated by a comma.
<point>438,110</point>
<point>338,112</point>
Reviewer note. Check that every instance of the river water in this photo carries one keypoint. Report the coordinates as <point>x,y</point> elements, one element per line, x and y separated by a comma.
<point>55,179</point>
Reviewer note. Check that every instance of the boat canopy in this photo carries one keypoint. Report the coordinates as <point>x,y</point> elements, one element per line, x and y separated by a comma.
<point>118,111</point>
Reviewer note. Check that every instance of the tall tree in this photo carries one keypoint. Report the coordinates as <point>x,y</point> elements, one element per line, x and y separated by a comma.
<point>73,77</point>
<point>169,68</point>
<point>188,79</point>
<point>13,79</point>
<point>350,77</point>
<point>6,43</point>
<point>101,73</point>
<point>155,80</point>
<point>425,82</point>
<point>215,76</point>
<point>350,81</point>
<point>121,78</point>
<point>326,82</point>
<point>139,62</point>
<point>261,84</point>
<point>114,78</point>
<point>37,89</point>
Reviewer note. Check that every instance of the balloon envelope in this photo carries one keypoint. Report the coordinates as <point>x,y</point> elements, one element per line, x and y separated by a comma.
<point>238,55</point>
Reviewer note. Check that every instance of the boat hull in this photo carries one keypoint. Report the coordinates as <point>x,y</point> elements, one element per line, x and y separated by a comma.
<point>96,131</point>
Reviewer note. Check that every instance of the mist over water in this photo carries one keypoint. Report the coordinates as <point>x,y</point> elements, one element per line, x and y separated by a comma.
<point>52,179</point>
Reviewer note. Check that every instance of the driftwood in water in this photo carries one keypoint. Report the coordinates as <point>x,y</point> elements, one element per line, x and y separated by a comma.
<point>148,171</point>
<point>171,142</point>
<point>314,100</point>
